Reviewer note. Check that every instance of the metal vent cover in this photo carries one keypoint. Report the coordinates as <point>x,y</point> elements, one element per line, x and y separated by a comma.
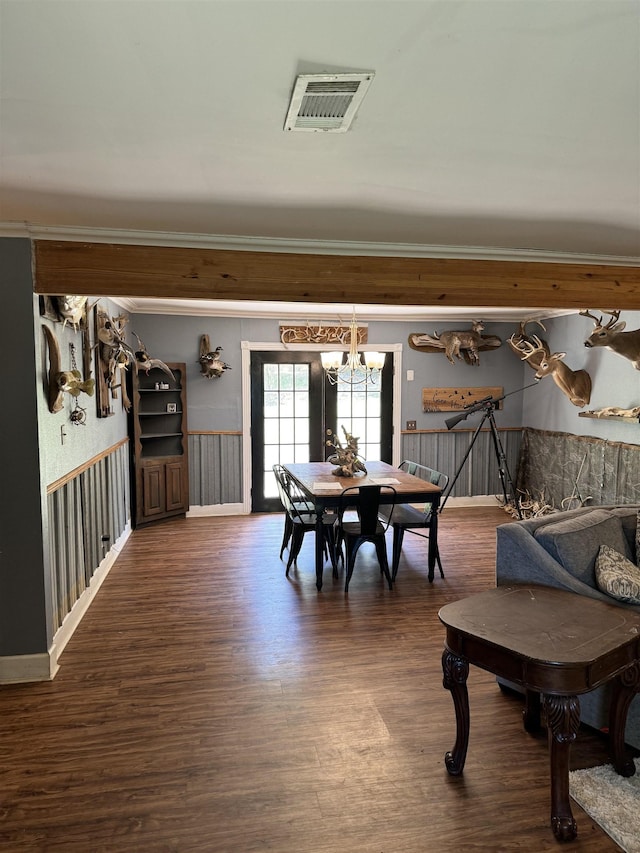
<point>326,102</point>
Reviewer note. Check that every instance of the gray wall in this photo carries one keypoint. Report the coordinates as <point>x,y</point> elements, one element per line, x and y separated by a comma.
<point>216,404</point>
<point>23,603</point>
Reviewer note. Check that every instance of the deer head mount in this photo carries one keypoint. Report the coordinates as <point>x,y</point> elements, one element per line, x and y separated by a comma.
<point>574,384</point>
<point>463,344</point>
<point>612,336</point>
<point>211,365</point>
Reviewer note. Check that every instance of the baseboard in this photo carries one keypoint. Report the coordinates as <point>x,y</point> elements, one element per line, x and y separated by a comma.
<point>17,669</point>
<point>475,500</point>
<point>238,509</point>
<point>215,509</point>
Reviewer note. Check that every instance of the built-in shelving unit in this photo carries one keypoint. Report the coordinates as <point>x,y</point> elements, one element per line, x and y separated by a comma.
<point>160,468</point>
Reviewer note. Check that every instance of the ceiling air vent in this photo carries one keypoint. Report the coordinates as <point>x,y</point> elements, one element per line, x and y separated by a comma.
<point>326,102</point>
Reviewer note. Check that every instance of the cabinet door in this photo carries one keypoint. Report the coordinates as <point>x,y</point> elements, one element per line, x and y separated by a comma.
<point>153,490</point>
<point>175,491</point>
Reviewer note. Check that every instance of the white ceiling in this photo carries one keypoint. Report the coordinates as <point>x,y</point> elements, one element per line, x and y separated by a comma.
<point>490,125</point>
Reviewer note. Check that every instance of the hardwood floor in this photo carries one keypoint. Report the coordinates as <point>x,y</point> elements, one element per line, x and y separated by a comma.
<point>207,703</point>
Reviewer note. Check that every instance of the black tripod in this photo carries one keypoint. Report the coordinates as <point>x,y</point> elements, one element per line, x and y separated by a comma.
<point>488,405</point>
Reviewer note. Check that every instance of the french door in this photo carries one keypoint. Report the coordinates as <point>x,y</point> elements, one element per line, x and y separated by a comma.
<point>295,409</point>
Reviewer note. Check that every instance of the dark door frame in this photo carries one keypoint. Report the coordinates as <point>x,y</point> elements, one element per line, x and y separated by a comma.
<point>395,351</point>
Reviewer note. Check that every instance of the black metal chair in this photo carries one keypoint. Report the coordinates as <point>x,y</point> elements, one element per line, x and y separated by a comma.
<point>368,527</point>
<point>405,517</point>
<point>300,518</point>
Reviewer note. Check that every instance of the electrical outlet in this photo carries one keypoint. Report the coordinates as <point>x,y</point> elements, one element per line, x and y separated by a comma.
<point>411,424</point>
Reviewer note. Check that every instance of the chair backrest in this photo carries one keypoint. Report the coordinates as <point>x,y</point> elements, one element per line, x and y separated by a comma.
<point>291,496</point>
<point>425,473</point>
<point>368,503</point>
<point>281,482</point>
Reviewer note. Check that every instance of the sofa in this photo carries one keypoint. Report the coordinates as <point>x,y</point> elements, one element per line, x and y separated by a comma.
<point>560,550</point>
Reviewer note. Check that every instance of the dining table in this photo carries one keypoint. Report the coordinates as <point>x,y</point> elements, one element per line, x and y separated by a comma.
<point>324,489</point>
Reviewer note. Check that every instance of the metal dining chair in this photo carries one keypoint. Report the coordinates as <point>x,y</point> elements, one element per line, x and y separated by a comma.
<point>405,517</point>
<point>300,518</point>
<point>368,527</point>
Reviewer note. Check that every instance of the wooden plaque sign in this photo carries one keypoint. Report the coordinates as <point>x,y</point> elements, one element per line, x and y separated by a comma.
<point>456,399</point>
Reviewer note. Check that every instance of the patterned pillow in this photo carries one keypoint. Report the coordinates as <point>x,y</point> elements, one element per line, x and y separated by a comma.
<point>616,576</point>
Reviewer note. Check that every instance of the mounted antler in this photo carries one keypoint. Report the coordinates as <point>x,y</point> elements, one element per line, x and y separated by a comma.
<point>575,384</point>
<point>521,337</point>
<point>612,336</point>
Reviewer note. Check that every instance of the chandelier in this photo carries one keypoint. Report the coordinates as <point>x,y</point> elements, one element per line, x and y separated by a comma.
<point>354,371</point>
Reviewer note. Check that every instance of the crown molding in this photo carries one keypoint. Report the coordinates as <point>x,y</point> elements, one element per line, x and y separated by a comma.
<point>294,246</point>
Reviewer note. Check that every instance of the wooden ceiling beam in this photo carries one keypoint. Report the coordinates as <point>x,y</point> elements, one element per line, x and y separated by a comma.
<point>123,270</point>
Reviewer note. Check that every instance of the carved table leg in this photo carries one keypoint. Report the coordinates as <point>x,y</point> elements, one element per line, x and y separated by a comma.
<point>563,720</point>
<point>625,687</point>
<point>455,672</point>
<point>531,713</point>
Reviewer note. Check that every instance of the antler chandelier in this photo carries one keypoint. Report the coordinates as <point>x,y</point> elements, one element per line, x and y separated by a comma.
<point>354,371</point>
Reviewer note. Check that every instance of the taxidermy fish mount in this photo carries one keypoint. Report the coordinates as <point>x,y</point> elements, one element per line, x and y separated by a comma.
<point>60,380</point>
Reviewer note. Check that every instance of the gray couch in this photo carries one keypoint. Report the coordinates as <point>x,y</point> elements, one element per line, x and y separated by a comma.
<point>560,550</point>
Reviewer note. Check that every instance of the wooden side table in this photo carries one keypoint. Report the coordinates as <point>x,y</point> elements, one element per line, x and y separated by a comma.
<point>556,645</point>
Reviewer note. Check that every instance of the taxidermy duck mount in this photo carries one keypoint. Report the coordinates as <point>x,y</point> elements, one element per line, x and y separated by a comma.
<point>211,365</point>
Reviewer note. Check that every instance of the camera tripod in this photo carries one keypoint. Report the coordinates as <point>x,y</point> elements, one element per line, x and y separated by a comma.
<point>488,405</point>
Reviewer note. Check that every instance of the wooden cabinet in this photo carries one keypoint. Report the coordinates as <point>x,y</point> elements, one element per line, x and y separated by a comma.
<point>160,462</point>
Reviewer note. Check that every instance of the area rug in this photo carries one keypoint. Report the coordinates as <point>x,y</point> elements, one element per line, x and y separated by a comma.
<point>612,801</point>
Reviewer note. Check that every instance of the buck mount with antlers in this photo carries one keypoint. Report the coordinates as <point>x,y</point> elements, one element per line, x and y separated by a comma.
<point>574,384</point>
<point>612,336</point>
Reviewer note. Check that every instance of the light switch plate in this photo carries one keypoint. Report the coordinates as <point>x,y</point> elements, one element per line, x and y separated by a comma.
<point>411,424</point>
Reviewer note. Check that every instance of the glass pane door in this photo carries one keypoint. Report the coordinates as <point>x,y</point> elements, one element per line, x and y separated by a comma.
<point>365,411</point>
<point>294,409</point>
<point>286,418</point>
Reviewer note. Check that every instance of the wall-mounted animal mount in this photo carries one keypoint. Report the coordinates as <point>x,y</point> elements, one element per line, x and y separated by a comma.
<point>574,384</point>
<point>145,362</point>
<point>66,309</point>
<point>211,365</point>
<point>517,338</point>
<point>612,336</point>
<point>60,381</point>
<point>465,344</point>
<point>113,355</point>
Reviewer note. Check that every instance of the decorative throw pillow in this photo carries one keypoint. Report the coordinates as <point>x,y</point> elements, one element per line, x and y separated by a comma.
<point>574,542</point>
<point>616,576</point>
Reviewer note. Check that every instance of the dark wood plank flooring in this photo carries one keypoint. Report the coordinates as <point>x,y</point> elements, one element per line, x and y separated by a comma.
<point>207,703</point>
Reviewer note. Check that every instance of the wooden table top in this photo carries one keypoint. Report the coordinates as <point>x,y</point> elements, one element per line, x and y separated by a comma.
<point>544,624</point>
<point>311,474</point>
